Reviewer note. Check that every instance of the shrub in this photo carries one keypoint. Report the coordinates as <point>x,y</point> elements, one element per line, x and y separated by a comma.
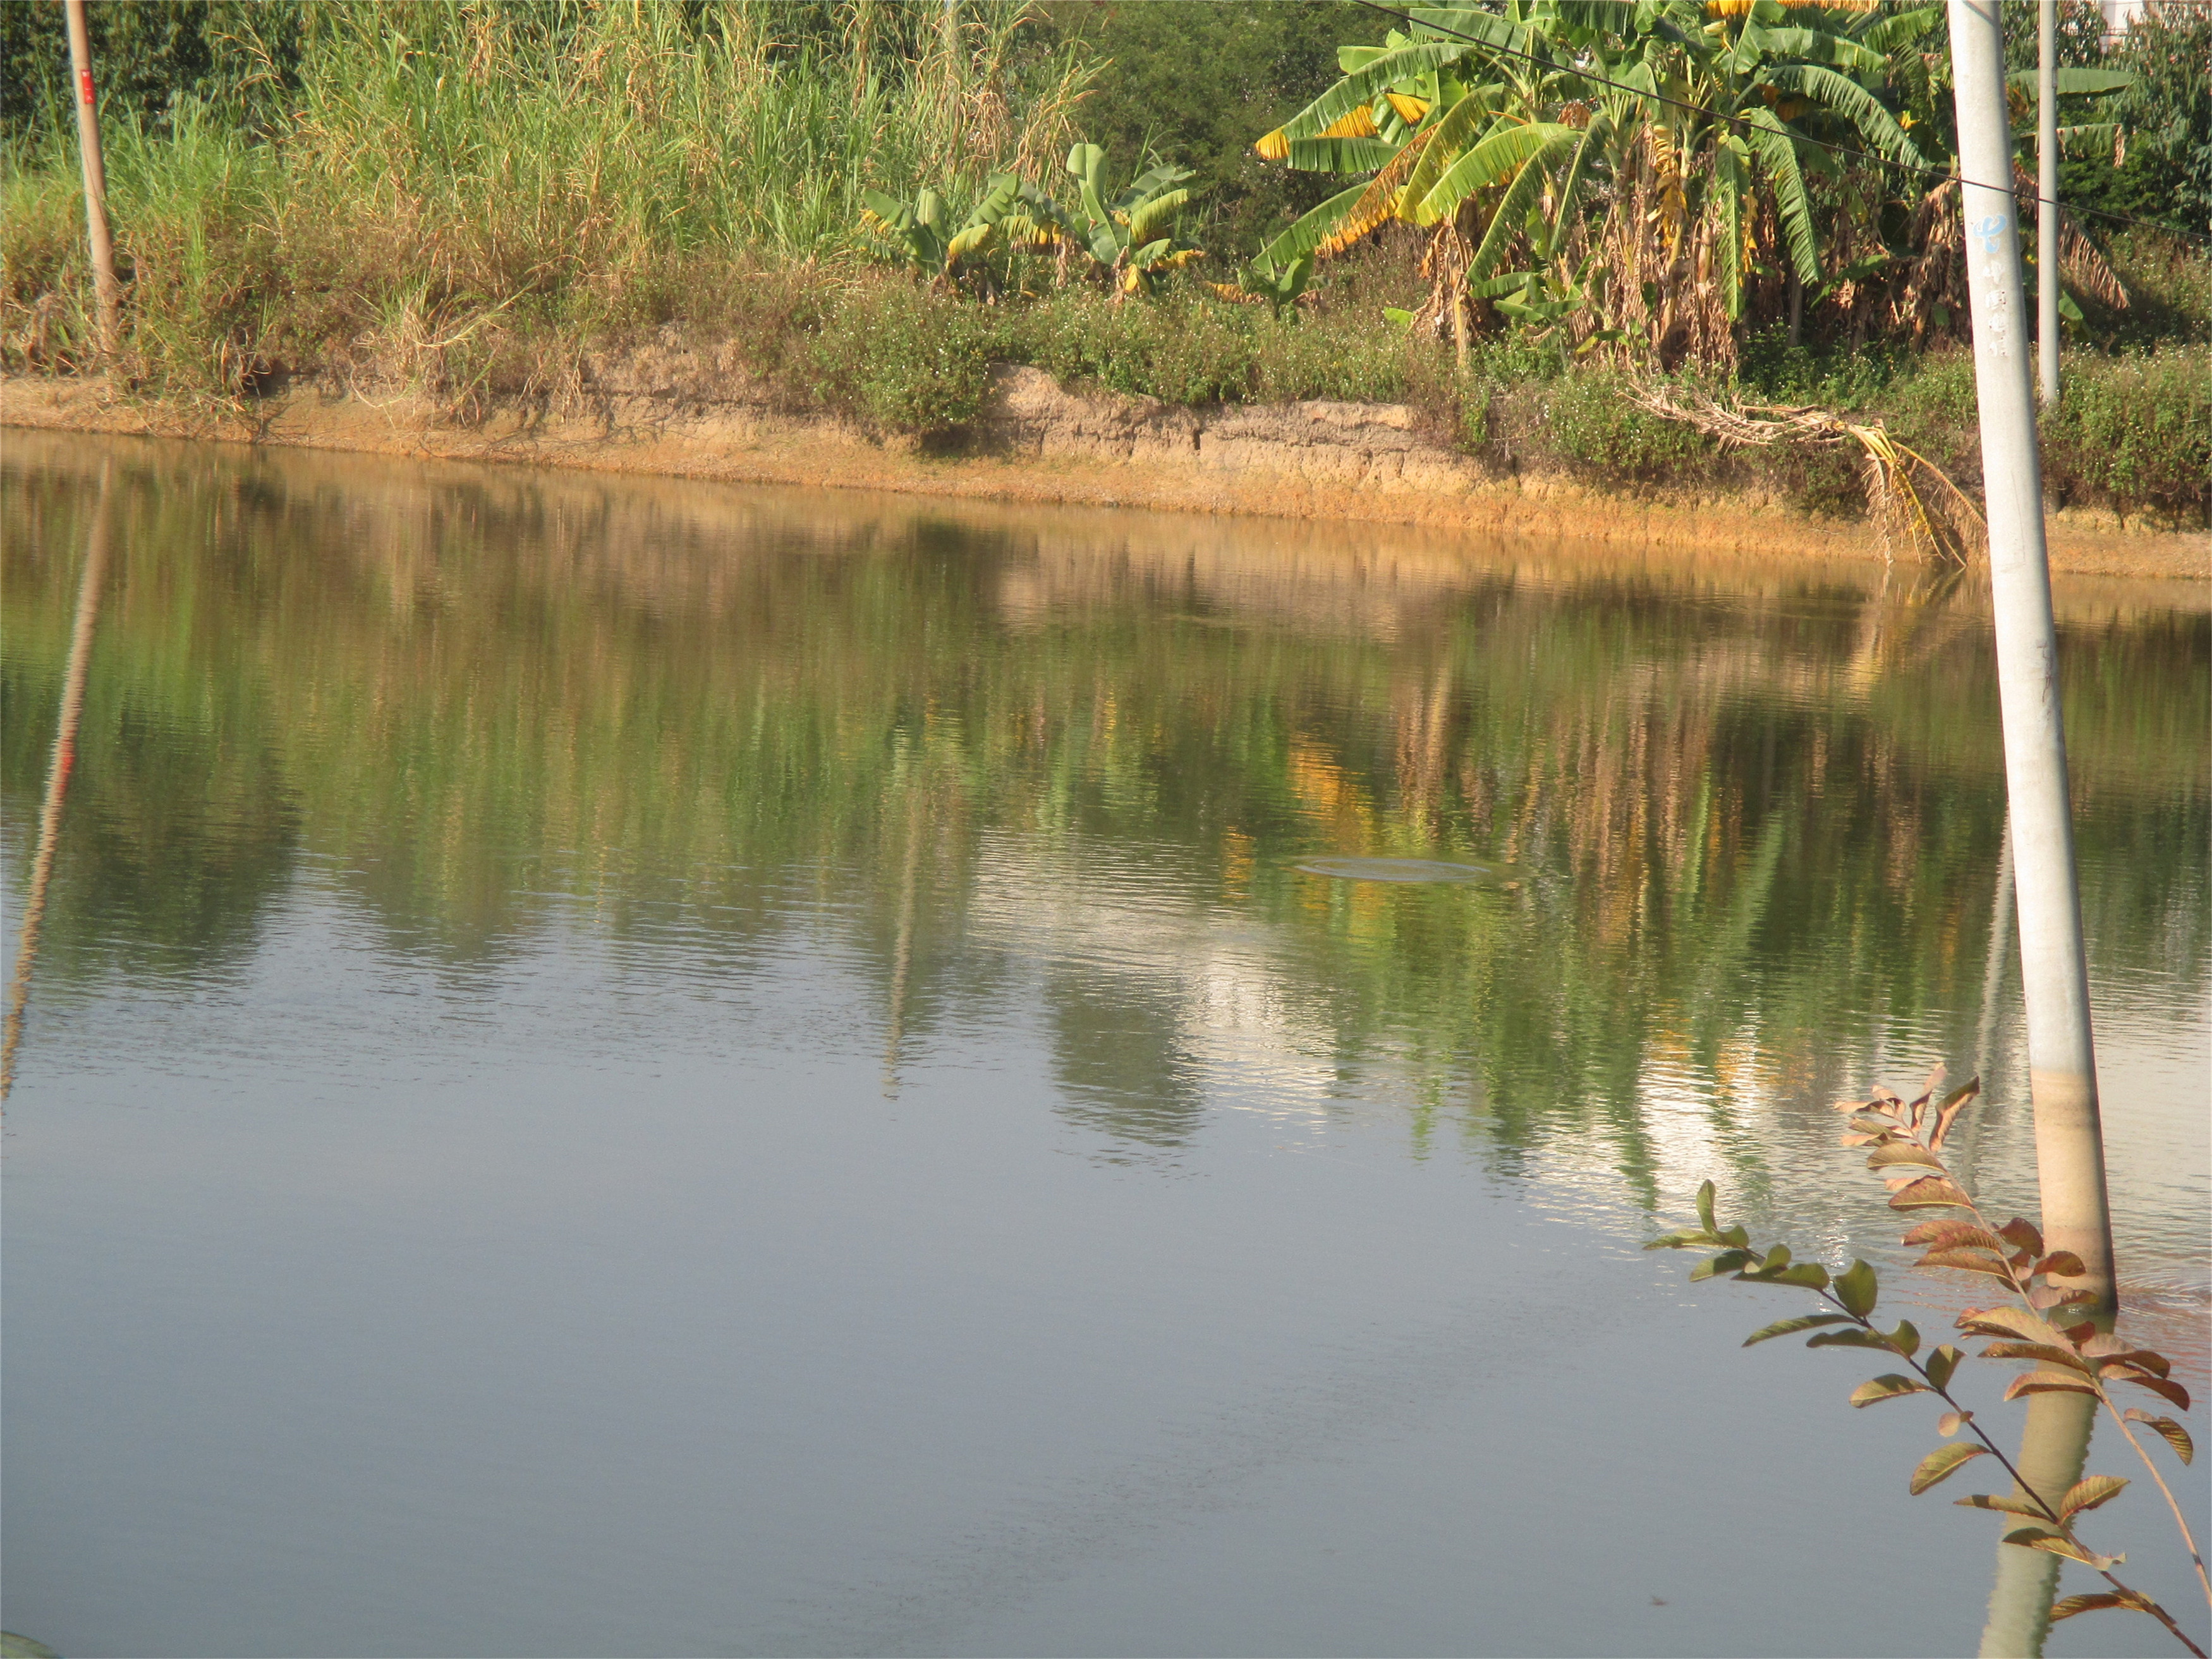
<point>1592,426</point>
<point>2136,431</point>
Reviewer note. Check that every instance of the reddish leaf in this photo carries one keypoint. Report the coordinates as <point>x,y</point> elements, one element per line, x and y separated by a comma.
<point>2049,1351</point>
<point>2089,1494</point>
<point>2158,1385</point>
<point>2067,1607</point>
<point>1948,1233</point>
<point>2141,1359</point>
<point>2174,1434</point>
<point>2007,1322</point>
<point>1973,1261</point>
<point>2021,1231</point>
<point>1953,1104</point>
<point>2050,1383</point>
<point>1982,1500</point>
<point>1931,1192</point>
<point>2052,1543</point>
<point>1951,1422</point>
<point>2061,1264</point>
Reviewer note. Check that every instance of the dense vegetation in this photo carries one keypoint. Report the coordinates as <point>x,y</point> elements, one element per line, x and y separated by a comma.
<point>870,200</point>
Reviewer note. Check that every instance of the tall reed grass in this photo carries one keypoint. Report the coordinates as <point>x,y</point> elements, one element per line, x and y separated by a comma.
<point>444,174</point>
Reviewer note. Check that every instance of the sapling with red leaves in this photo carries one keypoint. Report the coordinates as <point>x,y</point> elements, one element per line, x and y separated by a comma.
<point>2043,1320</point>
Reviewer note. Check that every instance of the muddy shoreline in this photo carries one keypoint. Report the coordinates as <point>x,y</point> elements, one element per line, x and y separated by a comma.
<point>670,413</point>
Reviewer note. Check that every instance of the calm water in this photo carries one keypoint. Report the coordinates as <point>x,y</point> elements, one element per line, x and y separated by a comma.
<point>636,1069</point>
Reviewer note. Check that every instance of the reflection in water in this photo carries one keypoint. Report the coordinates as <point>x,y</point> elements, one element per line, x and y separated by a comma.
<point>1759,824</point>
<point>952,841</point>
<point>2053,1448</point>
<point>58,767</point>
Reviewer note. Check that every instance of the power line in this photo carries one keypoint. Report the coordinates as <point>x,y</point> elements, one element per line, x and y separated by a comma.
<point>1922,168</point>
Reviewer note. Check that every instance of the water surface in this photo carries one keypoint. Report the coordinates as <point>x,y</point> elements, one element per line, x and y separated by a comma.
<point>633,1068</point>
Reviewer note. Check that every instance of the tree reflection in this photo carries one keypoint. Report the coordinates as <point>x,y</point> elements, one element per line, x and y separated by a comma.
<point>1757,823</point>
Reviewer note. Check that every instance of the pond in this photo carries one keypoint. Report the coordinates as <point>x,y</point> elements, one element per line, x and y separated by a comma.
<point>622,1067</point>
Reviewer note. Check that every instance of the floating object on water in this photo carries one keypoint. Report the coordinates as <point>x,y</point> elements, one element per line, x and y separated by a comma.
<point>1405,870</point>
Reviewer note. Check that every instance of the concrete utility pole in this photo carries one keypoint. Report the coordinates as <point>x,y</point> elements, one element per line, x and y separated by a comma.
<point>105,287</point>
<point>2069,1148</point>
<point>2046,210</point>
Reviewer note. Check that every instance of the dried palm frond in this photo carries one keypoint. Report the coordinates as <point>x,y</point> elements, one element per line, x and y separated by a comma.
<point>1909,493</point>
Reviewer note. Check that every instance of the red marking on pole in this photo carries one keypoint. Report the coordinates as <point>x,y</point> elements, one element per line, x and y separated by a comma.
<point>84,84</point>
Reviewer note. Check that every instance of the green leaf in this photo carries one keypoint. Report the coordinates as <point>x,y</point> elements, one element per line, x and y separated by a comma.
<point>1850,101</point>
<point>1367,83</point>
<point>1512,149</point>
<point>2173,1434</point>
<point>1941,1463</point>
<point>1941,1364</point>
<point>2075,83</point>
<point>1905,1339</point>
<point>1854,1337</point>
<point>1340,154</point>
<point>1857,1288</point>
<point>1727,1262</point>
<point>1791,1326</point>
<point>2089,1493</point>
<point>1888,1387</point>
<point>1308,233</point>
<point>1706,1195</point>
<point>2052,1543</point>
<point>1595,136</point>
<point>1447,140</point>
<point>1806,1275</point>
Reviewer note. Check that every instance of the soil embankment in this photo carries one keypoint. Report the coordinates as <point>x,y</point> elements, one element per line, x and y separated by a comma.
<point>671,411</point>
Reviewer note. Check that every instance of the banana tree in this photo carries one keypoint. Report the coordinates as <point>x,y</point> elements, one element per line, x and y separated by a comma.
<point>923,237</point>
<point>1902,270</point>
<point>1630,168</point>
<point>1131,239</point>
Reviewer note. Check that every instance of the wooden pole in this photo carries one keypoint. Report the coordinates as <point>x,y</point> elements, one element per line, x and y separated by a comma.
<point>2046,210</point>
<point>105,287</point>
<point>2061,1053</point>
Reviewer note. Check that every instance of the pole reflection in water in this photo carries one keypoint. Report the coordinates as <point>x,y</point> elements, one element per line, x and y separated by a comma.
<point>2053,1447</point>
<point>63,762</point>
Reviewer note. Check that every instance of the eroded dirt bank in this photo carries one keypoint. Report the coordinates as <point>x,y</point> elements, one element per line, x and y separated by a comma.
<point>672,412</point>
